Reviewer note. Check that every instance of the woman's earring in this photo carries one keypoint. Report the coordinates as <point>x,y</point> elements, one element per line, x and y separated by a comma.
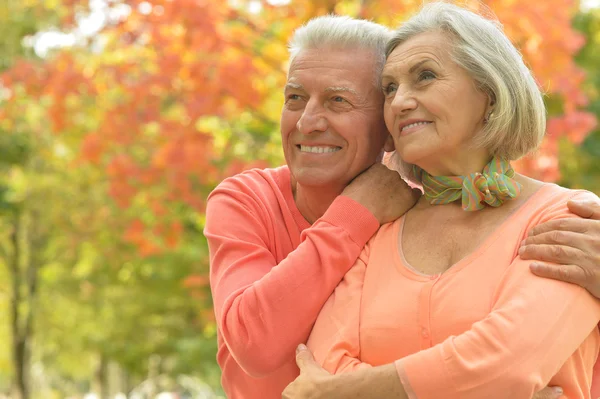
<point>487,118</point>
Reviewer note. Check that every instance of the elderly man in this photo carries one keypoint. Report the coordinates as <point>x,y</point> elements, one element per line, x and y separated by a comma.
<point>281,239</point>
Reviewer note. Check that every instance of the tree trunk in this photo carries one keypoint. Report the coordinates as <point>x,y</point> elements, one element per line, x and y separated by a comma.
<point>101,378</point>
<point>19,334</point>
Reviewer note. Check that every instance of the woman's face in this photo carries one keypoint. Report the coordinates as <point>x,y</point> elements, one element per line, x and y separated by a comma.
<point>433,108</point>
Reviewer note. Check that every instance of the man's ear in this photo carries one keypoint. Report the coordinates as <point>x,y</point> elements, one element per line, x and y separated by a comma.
<point>389,144</point>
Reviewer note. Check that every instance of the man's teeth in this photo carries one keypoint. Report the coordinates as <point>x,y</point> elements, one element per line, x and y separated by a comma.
<point>319,150</point>
<point>415,124</point>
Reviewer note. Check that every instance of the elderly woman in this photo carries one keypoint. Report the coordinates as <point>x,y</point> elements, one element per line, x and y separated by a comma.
<point>462,311</point>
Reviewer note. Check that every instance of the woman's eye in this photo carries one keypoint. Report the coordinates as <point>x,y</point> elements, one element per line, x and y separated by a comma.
<point>389,88</point>
<point>426,75</point>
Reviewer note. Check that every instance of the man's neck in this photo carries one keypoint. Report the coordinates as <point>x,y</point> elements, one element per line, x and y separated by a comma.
<point>312,202</point>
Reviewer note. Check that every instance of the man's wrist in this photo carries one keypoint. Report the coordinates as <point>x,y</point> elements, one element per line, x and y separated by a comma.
<point>339,386</point>
<point>373,383</point>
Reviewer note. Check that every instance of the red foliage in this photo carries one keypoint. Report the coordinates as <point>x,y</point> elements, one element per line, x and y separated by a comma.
<point>133,108</point>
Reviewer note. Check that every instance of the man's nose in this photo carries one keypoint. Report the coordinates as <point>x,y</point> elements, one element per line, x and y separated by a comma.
<point>313,119</point>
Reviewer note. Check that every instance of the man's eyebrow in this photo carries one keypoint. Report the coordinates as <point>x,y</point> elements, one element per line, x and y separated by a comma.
<point>291,85</point>
<point>336,89</point>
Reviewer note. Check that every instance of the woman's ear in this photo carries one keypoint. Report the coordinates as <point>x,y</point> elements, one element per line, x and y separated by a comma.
<point>389,144</point>
<point>491,102</point>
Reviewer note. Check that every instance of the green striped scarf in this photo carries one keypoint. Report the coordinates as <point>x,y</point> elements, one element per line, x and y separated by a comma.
<point>492,187</point>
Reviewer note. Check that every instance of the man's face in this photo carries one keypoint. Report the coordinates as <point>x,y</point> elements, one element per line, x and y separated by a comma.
<point>332,122</point>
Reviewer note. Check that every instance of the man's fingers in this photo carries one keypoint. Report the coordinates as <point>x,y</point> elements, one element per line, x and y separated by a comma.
<point>568,224</point>
<point>549,393</point>
<point>588,208</point>
<point>559,237</point>
<point>551,253</point>
<point>304,357</point>
<point>569,273</point>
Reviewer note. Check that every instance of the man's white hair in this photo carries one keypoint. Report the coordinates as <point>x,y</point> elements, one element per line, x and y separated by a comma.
<point>342,33</point>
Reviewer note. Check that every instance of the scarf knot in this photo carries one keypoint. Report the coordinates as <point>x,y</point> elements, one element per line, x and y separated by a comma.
<point>493,186</point>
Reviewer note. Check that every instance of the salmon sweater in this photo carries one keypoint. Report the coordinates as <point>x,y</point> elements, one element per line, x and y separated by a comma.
<point>485,328</point>
<point>270,274</point>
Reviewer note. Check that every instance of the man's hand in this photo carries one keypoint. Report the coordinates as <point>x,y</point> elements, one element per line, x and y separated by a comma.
<point>309,384</point>
<point>572,243</point>
<point>549,393</point>
<point>383,192</point>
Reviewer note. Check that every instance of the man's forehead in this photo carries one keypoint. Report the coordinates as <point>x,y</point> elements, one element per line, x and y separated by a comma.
<point>347,67</point>
<point>329,81</point>
<point>342,87</point>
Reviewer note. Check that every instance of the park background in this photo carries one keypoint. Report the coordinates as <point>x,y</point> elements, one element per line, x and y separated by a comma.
<point>117,118</point>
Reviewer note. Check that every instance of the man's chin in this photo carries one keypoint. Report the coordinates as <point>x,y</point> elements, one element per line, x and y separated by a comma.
<point>319,178</point>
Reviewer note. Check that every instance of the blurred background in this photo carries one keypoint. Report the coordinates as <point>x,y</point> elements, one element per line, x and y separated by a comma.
<point>117,118</point>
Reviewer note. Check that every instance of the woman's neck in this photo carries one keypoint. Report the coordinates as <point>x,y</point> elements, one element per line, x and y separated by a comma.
<point>470,161</point>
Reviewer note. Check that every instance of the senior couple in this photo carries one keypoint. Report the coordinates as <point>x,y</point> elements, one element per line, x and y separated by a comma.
<point>410,295</point>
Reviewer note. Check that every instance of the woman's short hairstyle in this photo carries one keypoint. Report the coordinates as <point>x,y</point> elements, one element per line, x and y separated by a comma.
<point>341,32</point>
<point>518,120</point>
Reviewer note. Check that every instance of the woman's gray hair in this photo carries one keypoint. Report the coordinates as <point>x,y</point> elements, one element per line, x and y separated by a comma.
<point>341,32</point>
<point>518,121</point>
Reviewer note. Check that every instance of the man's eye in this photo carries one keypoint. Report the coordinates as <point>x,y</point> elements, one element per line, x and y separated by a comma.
<point>293,97</point>
<point>338,99</point>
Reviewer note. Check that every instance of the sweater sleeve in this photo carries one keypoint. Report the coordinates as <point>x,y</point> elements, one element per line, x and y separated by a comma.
<point>264,309</point>
<point>334,340</point>
<point>533,329</point>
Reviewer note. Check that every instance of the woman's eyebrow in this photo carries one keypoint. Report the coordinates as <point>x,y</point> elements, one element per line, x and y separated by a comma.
<point>418,64</point>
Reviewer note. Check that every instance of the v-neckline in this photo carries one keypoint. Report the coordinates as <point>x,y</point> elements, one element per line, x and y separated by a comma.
<point>404,265</point>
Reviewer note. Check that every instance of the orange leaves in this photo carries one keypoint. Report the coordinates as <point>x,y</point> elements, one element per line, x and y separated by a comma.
<point>237,166</point>
<point>135,232</point>
<point>153,239</point>
<point>197,285</point>
<point>389,12</point>
<point>544,164</point>
<point>92,148</point>
<point>121,166</point>
<point>119,170</point>
<point>575,126</point>
<point>196,280</point>
<point>25,73</point>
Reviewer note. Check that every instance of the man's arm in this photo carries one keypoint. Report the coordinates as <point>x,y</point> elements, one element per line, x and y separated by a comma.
<point>263,309</point>
<point>572,244</point>
<point>380,382</point>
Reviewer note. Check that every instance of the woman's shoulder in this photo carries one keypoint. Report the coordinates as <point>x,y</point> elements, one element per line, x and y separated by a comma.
<point>549,202</point>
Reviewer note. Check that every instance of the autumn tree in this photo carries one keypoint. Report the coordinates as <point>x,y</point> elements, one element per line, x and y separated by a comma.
<point>579,163</point>
<point>19,202</point>
<point>165,100</point>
